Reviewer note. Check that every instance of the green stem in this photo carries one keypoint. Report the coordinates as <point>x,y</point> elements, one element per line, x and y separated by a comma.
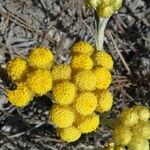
<point>102,22</point>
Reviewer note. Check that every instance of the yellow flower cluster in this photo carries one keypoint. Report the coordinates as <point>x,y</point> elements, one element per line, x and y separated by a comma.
<point>104,8</point>
<point>133,128</point>
<point>32,76</point>
<point>80,89</point>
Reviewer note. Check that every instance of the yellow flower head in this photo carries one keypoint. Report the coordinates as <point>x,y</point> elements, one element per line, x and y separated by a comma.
<point>70,134</point>
<point>103,77</point>
<point>105,101</point>
<point>122,135</point>
<point>141,129</point>
<point>21,96</point>
<point>92,3</point>
<point>40,81</point>
<point>81,61</point>
<point>87,124</point>
<point>143,112</point>
<point>17,68</point>
<point>64,92</point>
<point>129,117</point>
<point>138,143</point>
<point>83,48</point>
<point>103,59</point>
<point>62,116</point>
<point>40,58</point>
<point>85,80</point>
<point>86,103</point>
<point>61,72</point>
<point>104,11</point>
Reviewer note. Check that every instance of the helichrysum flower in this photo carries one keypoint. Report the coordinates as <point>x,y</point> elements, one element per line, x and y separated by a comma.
<point>62,116</point>
<point>21,96</point>
<point>143,112</point>
<point>122,135</point>
<point>61,72</point>
<point>17,68</point>
<point>138,143</point>
<point>40,58</point>
<point>103,78</point>
<point>81,61</point>
<point>105,11</point>
<point>141,129</point>
<point>83,47</point>
<point>85,80</point>
<point>40,81</point>
<point>64,92</point>
<point>69,134</point>
<point>87,124</point>
<point>104,101</point>
<point>103,59</point>
<point>129,117</point>
<point>86,103</point>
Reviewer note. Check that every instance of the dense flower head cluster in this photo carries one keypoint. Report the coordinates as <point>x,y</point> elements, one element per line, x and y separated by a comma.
<point>82,88</point>
<point>104,8</point>
<point>32,76</point>
<point>79,89</point>
<point>133,129</point>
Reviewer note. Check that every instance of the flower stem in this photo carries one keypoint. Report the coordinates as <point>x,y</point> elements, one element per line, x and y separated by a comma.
<point>102,22</point>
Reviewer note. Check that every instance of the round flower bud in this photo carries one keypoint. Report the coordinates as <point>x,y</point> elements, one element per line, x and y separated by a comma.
<point>85,80</point>
<point>129,117</point>
<point>104,11</point>
<point>40,58</point>
<point>92,3</point>
<point>17,68</point>
<point>21,96</point>
<point>64,92</point>
<point>141,129</point>
<point>116,4</point>
<point>40,81</point>
<point>86,103</point>
<point>105,100</point>
<point>122,135</point>
<point>70,134</point>
<point>87,124</point>
<point>81,61</point>
<point>62,116</point>
<point>143,112</point>
<point>103,78</point>
<point>103,59</point>
<point>138,143</point>
<point>61,72</point>
<point>83,48</point>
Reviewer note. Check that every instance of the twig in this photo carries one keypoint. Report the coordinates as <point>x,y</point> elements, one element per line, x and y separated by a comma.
<point>119,53</point>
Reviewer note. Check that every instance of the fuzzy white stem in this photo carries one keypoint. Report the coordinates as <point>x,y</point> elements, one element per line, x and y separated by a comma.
<point>100,34</point>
